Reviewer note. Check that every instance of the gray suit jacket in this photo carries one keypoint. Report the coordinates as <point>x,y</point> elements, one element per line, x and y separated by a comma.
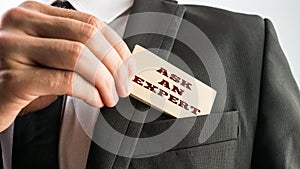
<point>260,107</point>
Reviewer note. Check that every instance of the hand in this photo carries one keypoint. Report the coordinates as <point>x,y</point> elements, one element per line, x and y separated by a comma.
<point>47,51</point>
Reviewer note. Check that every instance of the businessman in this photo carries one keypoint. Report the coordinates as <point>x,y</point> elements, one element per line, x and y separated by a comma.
<point>47,52</point>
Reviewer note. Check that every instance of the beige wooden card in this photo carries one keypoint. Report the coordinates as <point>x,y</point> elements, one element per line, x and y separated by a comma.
<point>167,88</point>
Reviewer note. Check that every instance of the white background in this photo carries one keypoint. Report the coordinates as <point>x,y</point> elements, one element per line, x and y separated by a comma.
<point>284,14</point>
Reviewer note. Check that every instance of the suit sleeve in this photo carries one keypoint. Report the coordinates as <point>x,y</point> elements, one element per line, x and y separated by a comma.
<point>277,139</point>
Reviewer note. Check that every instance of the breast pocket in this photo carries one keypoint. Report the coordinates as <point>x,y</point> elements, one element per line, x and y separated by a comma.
<point>211,142</point>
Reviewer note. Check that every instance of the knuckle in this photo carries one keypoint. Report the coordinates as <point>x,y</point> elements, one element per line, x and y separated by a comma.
<point>123,49</point>
<point>6,49</point>
<point>6,78</point>
<point>117,68</point>
<point>76,49</point>
<point>122,45</point>
<point>108,82</point>
<point>54,82</point>
<point>3,63</point>
<point>92,20</point>
<point>29,4</point>
<point>63,82</point>
<point>3,42</point>
<point>12,16</point>
<point>68,77</point>
<point>88,30</point>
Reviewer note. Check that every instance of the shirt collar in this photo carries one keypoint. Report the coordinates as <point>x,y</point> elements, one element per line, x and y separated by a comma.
<point>106,10</point>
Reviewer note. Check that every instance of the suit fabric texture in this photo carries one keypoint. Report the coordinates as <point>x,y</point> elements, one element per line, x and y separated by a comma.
<point>260,125</point>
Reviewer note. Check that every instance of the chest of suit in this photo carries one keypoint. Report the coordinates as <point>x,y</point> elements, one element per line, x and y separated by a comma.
<point>169,23</point>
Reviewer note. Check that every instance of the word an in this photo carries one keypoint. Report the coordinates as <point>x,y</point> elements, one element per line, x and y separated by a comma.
<point>163,93</point>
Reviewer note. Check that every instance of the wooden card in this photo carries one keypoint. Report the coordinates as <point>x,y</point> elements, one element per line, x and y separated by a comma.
<point>167,88</point>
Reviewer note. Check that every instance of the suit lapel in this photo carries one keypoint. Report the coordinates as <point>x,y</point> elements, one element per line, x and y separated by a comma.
<point>154,25</point>
<point>160,16</point>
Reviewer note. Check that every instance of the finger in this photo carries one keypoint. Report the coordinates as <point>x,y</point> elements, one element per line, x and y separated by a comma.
<point>74,56</point>
<point>45,82</point>
<point>65,55</point>
<point>127,57</point>
<point>23,87</point>
<point>114,39</point>
<point>117,43</point>
<point>71,56</point>
<point>62,28</point>
<point>99,41</point>
<point>61,12</point>
<point>111,35</point>
<point>38,104</point>
<point>41,25</point>
<point>112,60</point>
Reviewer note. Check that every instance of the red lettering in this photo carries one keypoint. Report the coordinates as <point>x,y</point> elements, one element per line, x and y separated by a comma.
<point>183,105</point>
<point>176,90</point>
<point>138,80</point>
<point>164,83</point>
<point>173,99</point>
<point>151,87</point>
<point>162,92</point>
<point>186,84</point>
<point>163,71</point>
<point>195,110</point>
<point>175,78</point>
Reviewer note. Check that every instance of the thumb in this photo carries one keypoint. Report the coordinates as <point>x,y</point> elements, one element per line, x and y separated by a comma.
<point>38,104</point>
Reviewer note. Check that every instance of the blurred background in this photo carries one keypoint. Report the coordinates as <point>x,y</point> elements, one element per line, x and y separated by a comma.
<point>284,15</point>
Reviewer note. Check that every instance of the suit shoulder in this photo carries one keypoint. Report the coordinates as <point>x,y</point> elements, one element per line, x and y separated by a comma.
<point>238,38</point>
<point>227,29</point>
<point>226,21</point>
<point>218,13</point>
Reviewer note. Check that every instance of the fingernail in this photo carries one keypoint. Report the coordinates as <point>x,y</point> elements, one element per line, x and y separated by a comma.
<point>116,96</point>
<point>125,85</point>
<point>129,88</point>
<point>131,67</point>
<point>99,102</point>
<point>128,85</point>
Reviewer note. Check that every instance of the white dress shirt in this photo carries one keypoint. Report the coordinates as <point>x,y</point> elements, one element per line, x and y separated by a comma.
<point>79,118</point>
